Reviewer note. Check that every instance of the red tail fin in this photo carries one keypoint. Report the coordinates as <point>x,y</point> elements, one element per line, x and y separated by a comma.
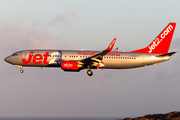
<point>161,43</point>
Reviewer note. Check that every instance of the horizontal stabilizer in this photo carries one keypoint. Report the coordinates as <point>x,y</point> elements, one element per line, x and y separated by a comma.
<point>167,54</point>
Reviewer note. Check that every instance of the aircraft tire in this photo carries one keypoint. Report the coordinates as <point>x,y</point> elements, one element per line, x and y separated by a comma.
<point>89,72</point>
<point>21,71</point>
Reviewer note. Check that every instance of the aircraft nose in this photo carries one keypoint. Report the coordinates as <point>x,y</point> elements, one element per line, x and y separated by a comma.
<point>7,59</point>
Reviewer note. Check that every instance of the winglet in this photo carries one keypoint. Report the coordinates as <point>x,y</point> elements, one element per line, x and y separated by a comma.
<point>110,47</point>
<point>116,49</point>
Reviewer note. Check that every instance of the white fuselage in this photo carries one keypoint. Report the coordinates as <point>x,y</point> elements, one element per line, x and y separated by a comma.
<point>112,60</point>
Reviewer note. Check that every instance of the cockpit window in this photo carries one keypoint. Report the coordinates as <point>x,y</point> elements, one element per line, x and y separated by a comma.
<point>15,54</point>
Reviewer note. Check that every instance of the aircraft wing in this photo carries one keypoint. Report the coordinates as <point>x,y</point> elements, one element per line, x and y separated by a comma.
<point>96,60</point>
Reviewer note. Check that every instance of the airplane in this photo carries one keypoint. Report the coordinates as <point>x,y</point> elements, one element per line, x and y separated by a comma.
<point>76,60</point>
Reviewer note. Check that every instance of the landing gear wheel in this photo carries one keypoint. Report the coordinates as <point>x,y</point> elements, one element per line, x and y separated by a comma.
<point>21,71</point>
<point>89,72</point>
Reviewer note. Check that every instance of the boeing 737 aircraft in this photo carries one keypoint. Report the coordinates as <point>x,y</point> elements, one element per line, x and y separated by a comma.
<point>74,60</point>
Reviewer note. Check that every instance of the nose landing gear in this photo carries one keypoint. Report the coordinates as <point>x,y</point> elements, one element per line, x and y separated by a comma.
<point>21,71</point>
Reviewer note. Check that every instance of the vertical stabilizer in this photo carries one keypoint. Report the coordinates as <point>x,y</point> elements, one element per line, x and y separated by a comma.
<point>161,43</point>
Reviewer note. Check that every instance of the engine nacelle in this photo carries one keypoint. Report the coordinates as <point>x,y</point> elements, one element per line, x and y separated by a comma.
<point>69,66</point>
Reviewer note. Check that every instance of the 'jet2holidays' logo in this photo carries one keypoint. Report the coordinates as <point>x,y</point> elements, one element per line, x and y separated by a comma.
<point>157,41</point>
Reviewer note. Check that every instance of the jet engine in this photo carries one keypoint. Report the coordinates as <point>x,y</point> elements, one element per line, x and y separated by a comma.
<point>69,66</point>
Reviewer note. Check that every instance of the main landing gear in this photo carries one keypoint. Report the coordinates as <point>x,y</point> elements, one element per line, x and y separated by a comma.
<point>21,71</point>
<point>89,72</point>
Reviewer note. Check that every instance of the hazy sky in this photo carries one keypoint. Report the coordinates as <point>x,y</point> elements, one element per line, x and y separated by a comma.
<point>88,25</point>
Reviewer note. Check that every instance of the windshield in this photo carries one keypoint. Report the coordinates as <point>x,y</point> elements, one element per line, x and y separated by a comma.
<point>14,54</point>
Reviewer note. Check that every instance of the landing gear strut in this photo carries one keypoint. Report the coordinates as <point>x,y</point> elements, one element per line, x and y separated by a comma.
<point>21,71</point>
<point>89,72</point>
